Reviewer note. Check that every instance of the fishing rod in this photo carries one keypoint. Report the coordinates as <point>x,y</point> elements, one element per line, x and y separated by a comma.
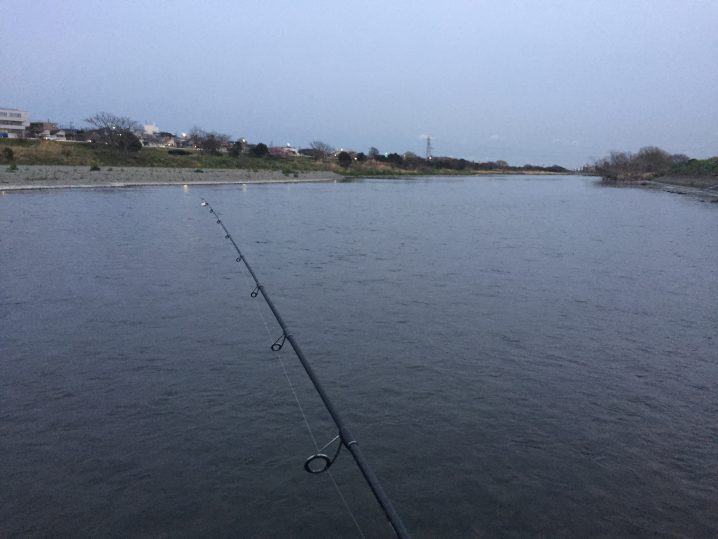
<point>320,462</point>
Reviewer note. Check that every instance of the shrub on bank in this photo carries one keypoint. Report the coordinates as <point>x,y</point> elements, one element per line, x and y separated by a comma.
<point>696,167</point>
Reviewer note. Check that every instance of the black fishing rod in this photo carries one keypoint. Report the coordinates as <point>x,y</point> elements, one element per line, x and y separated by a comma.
<point>320,462</point>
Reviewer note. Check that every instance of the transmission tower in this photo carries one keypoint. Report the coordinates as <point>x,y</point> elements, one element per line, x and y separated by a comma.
<point>428,147</point>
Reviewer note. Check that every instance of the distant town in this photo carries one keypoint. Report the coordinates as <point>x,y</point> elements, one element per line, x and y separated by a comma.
<point>118,140</point>
<point>126,135</point>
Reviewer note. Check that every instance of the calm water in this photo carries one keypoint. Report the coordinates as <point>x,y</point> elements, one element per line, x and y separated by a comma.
<point>517,357</point>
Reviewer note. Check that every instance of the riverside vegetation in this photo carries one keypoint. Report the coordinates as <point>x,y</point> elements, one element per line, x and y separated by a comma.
<point>654,164</point>
<point>98,156</point>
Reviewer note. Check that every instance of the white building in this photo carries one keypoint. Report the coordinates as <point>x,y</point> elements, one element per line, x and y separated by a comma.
<point>151,129</point>
<point>13,122</point>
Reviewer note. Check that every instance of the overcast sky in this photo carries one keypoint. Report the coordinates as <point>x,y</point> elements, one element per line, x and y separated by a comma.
<point>526,81</point>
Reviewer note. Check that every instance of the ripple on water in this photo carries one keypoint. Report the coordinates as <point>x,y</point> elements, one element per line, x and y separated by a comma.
<point>523,357</point>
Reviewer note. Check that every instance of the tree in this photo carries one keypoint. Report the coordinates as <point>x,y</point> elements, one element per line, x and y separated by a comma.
<point>129,142</point>
<point>260,150</point>
<point>652,159</point>
<point>361,157</point>
<point>394,158</point>
<point>110,129</point>
<point>213,142</point>
<point>373,153</point>
<point>209,142</point>
<point>344,159</point>
<point>321,149</point>
<point>196,135</point>
<point>648,162</point>
<point>238,148</point>
<point>412,160</point>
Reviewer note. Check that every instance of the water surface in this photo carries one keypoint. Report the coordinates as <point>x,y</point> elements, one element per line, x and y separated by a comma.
<point>517,357</point>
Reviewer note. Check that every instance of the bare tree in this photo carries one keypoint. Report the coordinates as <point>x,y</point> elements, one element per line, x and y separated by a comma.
<point>115,131</point>
<point>373,153</point>
<point>213,142</point>
<point>196,135</point>
<point>412,160</point>
<point>321,150</point>
<point>210,142</point>
<point>648,162</point>
<point>653,159</point>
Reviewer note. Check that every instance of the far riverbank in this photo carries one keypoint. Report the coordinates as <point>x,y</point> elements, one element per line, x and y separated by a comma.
<point>61,177</point>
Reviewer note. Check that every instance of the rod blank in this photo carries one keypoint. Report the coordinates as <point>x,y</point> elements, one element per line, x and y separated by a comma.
<point>345,437</point>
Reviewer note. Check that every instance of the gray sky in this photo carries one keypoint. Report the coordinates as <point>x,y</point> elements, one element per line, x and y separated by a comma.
<point>526,81</point>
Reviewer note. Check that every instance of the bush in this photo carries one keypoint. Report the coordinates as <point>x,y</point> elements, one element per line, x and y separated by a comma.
<point>94,167</point>
<point>344,159</point>
<point>696,167</point>
<point>648,162</point>
<point>8,154</point>
<point>236,149</point>
<point>12,168</point>
<point>131,143</point>
<point>178,151</point>
<point>260,150</point>
<point>395,158</point>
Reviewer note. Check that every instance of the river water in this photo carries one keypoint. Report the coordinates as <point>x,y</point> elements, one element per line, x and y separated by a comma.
<point>532,356</point>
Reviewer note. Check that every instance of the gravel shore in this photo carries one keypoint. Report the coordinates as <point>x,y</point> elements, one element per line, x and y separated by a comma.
<point>62,177</point>
<point>705,188</point>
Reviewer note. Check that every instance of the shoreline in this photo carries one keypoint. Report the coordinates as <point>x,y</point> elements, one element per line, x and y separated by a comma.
<point>32,177</point>
<point>702,188</point>
<point>35,177</point>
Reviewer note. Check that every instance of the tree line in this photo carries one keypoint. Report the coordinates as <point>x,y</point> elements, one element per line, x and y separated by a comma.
<point>648,162</point>
<point>120,132</point>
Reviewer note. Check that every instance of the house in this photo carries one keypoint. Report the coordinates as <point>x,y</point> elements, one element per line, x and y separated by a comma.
<point>41,129</point>
<point>283,151</point>
<point>160,139</point>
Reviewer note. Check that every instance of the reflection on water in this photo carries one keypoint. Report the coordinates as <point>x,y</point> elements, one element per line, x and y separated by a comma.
<point>517,357</point>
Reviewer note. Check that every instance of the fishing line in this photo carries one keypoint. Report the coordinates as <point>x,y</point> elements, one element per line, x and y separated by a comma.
<point>277,355</point>
<point>319,462</point>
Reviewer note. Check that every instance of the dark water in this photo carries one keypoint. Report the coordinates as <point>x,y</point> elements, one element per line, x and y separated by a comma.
<point>517,357</point>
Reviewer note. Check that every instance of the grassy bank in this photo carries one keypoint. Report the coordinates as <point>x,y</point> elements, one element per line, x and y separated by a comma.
<point>653,164</point>
<point>41,152</point>
<point>15,152</point>
<point>696,168</point>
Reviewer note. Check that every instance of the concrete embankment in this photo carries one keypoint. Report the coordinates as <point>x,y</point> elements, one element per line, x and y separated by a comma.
<point>54,177</point>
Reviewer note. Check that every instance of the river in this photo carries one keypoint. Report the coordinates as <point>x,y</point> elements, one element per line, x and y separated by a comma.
<point>517,356</point>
